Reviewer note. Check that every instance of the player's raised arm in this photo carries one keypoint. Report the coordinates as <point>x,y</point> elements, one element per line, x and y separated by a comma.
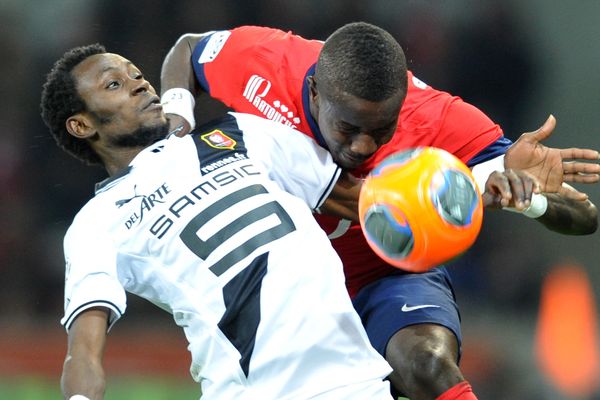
<point>178,85</point>
<point>82,371</point>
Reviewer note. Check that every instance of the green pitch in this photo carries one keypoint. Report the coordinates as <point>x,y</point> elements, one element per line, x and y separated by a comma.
<point>147,388</point>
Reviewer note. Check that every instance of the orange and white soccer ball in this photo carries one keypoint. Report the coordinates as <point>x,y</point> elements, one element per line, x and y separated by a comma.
<point>420,208</point>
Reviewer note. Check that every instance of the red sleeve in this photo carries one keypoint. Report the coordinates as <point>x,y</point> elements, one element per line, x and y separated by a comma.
<point>221,61</point>
<point>465,130</point>
<point>246,63</point>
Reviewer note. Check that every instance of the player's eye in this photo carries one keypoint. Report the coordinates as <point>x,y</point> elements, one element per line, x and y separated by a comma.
<point>113,85</point>
<point>348,129</point>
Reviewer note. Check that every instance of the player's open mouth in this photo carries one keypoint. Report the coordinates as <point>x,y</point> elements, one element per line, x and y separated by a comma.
<point>154,104</point>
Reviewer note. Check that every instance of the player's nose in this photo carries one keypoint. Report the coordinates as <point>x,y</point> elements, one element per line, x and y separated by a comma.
<point>364,145</point>
<point>140,86</point>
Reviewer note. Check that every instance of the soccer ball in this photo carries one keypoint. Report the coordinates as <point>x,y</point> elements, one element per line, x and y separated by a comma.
<point>420,208</point>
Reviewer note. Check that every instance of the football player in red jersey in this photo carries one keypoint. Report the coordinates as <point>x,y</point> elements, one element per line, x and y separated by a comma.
<point>354,96</point>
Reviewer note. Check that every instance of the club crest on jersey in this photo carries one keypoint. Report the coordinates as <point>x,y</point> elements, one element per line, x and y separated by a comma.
<point>218,140</point>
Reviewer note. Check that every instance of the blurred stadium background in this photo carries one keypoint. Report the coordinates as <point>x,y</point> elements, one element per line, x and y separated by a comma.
<point>516,60</point>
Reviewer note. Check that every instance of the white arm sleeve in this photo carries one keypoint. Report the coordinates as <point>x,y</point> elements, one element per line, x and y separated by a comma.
<point>482,171</point>
<point>90,276</point>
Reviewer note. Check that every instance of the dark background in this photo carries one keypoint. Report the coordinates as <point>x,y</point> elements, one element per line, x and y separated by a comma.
<point>518,61</point>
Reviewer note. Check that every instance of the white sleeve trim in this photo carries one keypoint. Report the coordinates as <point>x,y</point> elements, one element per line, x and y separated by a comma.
<point>115,313</point>
<point>328,189</point>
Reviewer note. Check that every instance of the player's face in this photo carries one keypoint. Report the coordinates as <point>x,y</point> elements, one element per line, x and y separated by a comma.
<point>354,128</point>
<point>123,106</point>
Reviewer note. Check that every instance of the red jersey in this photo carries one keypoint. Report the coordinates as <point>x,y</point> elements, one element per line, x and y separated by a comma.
<point>263,71</point>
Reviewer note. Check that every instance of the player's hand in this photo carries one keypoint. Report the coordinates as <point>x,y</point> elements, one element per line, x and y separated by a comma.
<point>553,166</point>
<point>178,125</point>
<point>510,188</point>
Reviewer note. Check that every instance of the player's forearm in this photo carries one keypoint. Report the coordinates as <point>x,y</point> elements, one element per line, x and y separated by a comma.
<point>178,85</point>
<point>569,217</point>
<point>177,71</point>
<point>83,377</point>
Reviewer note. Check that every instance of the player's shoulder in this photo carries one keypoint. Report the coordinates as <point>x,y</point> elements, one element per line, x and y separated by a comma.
<point>227,47</point>
<point>267,32</point>
<point>276,40</point>
<point>424,105</point>
<point>257,30</point>
<point>248,35</point>
<point>419,90</point>
<point>109,196</point>
<point>89,222</point>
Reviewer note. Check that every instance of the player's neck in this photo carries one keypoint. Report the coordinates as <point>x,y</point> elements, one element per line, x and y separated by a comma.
<point>118,159</point>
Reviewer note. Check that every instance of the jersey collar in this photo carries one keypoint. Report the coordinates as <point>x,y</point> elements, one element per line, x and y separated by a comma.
<point>111,180</point>
<point>114,179</point>
<point>306,103</point>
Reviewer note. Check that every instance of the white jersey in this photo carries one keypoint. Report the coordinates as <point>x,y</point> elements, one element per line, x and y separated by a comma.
<point>214,228</point>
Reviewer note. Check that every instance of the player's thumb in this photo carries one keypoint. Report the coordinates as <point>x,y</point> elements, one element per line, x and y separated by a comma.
<point>546,129</point>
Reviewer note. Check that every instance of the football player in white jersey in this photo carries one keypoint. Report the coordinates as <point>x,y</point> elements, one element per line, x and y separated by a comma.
<point>216,229</point>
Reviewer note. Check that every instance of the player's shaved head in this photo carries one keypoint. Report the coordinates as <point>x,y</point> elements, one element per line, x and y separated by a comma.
<point>60,100</point>
<point>362,60</point>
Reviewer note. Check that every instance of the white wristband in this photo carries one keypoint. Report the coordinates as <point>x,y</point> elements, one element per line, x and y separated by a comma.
<point>179,101</point>
<point>78,397</point>
<point>537,207</point>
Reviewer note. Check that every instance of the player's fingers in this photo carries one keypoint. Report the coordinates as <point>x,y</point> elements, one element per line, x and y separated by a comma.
<point>523,186</point>
<point>581,178</point>
<point>574,167</point>
<point>519,188</point>
<point>577,153</point>
<point>498,185</point>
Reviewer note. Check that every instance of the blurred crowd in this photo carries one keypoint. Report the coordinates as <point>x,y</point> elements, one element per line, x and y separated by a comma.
<point>481,51</point>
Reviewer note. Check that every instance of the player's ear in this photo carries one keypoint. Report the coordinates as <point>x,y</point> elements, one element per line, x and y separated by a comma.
<point>312,87</point>
<point>80,126</point>
<point>313,95</point>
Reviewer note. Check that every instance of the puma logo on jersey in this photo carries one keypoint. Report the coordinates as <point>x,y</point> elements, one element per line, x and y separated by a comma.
<point>148,202</point>
<point>255,92</point>
<point>122,202</point>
